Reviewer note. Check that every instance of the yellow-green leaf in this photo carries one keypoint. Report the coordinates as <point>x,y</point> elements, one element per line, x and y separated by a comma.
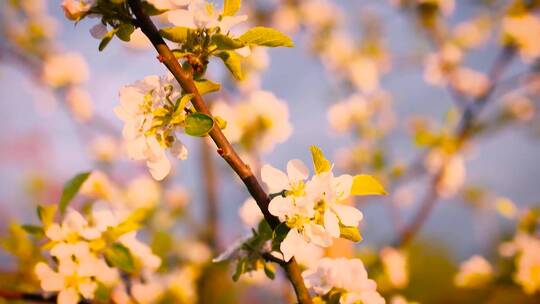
<point>233,63</point>
<point>231,7</point>
<point>176,34</point>
<point>350,233</point>
<point>320,163</point>
<point>124,31</point>
<point>71,188</point>
<point>118,255</point>
<point>266,37</point>
<point>198,124</point>
<point>224,42</point>
<point>205,86</point>
<point>366,185</point>
<point>46,214</point>
<point>106,39</point>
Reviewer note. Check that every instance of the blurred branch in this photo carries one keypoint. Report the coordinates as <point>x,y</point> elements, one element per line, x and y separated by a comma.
<point>225,149</point>
<point>463,132</point>
<point>30,297</point>
<point>211,199</point>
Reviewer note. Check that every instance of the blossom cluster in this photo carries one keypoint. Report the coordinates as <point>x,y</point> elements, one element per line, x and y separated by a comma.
<point>257,123</point>
<point>344,279</point>
<point>315,211</point>
<point>82,250</point>
<point>153,112</point>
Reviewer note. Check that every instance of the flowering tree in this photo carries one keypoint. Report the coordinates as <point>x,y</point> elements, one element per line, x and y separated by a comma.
<point>134,240</point>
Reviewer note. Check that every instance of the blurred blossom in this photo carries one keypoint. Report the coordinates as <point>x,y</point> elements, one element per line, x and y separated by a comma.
<point>80,104</point>
<point>438,66</point>
<point>286,19</point>
<point>395,266</point>
<point>520,107</point>
<point>258,122</point>
<point>522,30</point>
<point>317,14</point>
<point>250,213</point>
<point>177,197</point>
<point>505,207</point>
<point>453,171</point>
<point>469,82</point>
<point>404,196</point>
<point>98,186</point>
<point>104,148</point>
<point>195,252</point>
<point>525,248</point>
<point>75,9</point>
<point>476,272</point>
<point>147,292</point>
<point>345,114</point>
<point>143,192</point>
<point>64,69</point>
<point>473,33</point>
<point>364,74</point>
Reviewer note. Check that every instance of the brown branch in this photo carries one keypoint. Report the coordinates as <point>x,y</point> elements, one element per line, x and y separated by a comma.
<point>30,297</point>
<point>210,189</point>
<point>463,132</point>
<point>225,149</point>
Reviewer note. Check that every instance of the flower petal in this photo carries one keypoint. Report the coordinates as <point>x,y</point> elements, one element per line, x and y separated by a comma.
<point>331,223</point>
<point>68,296</point>
<point>280,206</point>
<point>274,179</point>
<point>348,215</point>
<point>292,242</point>
<point>296,170</point>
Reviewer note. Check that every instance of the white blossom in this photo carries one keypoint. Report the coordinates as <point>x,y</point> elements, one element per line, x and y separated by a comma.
<point>259,122</point>
<point>474,273</point>
<point>200,14</point>
<point>75,9</point>
<point>346,274</point>
<point>147,131</point>
<point>64,69</point>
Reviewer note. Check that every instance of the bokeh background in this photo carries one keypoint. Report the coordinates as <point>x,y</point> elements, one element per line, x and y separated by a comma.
<point>41,146</point>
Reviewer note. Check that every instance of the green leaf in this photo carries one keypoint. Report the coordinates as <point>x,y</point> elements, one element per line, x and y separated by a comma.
<point>71,188</point>
<point>233,63</point>
<point>241,267</point>
<point>106,39</point>
<point>198,124</point>
<point>231,7</point>
<point>131,223</point>
<point>151,10</point>
<point>224,42</point>
<point>124,31</point>
<point>279,234</point>
<point>46,214</point>
<point>176,34</point>
<point>266,37</point>
<point>350,233</point>
<point>366,185</point>
<point>34,230</point>
<point>270,270</point>
<point>320,163</point>
<point>118,255</point>
<point>205,86</point>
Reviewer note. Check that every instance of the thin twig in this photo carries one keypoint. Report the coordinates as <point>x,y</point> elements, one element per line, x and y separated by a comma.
<point>225,149</point>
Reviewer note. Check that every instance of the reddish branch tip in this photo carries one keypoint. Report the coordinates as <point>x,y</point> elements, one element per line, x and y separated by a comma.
<point>160,58</point>
<point>220,151</point>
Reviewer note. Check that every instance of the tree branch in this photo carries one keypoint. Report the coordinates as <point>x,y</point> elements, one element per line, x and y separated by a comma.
<point>225,149</point>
